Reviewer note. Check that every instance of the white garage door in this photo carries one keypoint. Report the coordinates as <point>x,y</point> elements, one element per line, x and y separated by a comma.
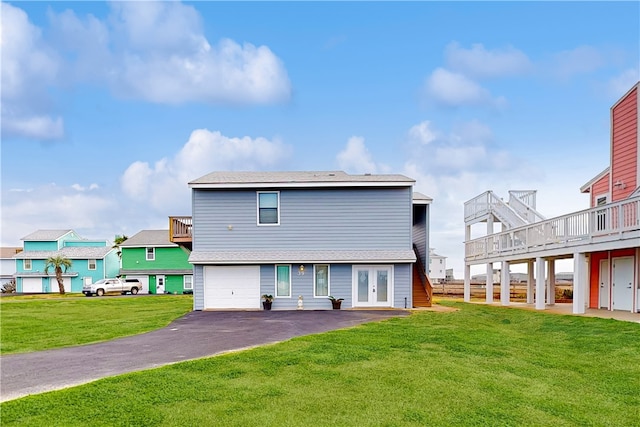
<point>143,279</point>
<point>232,287</point>
<point>54,288</point>
<point>32,284</point>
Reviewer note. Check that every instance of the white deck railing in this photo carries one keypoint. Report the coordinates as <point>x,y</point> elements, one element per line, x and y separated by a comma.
<point>565,231</point>
<point>524,203</point>
<point>488,202</point>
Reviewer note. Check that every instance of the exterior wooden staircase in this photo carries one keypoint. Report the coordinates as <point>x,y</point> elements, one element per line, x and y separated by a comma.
<point>422,287</point>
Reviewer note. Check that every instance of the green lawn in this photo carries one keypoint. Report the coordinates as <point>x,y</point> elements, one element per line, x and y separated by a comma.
<point>31,324</point>
<point>479,366</point>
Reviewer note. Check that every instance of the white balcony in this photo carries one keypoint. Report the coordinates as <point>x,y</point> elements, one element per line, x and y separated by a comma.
<point>611,226</point>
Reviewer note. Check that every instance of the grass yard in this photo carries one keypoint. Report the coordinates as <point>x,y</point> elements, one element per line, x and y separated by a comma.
<point>479,366</point>
<point>32,324</point>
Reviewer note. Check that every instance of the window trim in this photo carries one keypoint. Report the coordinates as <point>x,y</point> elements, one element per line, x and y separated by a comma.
<point>315,288</point>
<point>258,193</point>
<point>153,254</point>
<point>95,264</point>
<point>184,281</point>
<point>276,281</point>
<point>25,262</point>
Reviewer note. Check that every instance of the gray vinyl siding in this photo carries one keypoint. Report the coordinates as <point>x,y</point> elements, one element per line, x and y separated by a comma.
<point>420,231</point>
<point>198,287</point>
<point>402,286</point>
<point>310,219</point>
<point>302,285</point>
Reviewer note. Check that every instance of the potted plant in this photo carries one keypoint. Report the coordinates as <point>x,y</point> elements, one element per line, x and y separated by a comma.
<point>266,301</point>
<point>336,302</point>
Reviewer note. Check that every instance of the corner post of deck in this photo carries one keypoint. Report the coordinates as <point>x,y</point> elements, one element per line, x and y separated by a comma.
<point>505,283</point>
<point>579,282</point>
<point>540,281</point>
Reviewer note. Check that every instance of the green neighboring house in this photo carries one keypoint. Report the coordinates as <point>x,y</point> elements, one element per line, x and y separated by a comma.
<point>162,266</point>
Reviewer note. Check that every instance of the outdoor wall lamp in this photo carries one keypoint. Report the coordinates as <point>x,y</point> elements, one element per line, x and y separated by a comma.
<point>301,270</point>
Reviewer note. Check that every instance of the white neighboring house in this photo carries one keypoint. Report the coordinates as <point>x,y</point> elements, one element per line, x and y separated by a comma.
<point>437,266</point>
<point>7,263</point>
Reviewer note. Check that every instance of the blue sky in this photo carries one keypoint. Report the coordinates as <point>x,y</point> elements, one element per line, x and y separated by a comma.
<point>109,109</point>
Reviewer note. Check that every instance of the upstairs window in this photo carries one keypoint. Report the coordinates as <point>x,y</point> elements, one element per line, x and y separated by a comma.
<point>26,264</point>
<point>151,254</point>
<point>92,264</point>
<point>268,208</point>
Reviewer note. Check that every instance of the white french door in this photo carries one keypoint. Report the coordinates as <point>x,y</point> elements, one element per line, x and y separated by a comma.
<point>372,286</point>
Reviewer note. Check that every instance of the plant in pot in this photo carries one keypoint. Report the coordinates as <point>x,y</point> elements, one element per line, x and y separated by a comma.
<point>266,301</point>
<point>336,302</point>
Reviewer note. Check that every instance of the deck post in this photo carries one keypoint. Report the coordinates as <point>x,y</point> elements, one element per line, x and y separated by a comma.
<point>489,284</point>
<point>540,284</point>
<point>505,282</point>
<point>551,279</point>
<point>530,282</point>
<point>579,282</point>
<point>467,283</point>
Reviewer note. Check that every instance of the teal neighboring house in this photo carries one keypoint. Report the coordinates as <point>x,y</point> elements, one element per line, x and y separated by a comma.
<point>160,265</point>
<point>91,260</point>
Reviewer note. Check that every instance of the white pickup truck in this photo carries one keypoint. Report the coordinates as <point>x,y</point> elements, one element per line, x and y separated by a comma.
<point>104,286</point>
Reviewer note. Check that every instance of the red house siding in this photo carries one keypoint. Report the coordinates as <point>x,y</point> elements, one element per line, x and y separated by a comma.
<point>594,277</point>
<point>624,153</point>
<point>594,271</point>
<point>599,188</point>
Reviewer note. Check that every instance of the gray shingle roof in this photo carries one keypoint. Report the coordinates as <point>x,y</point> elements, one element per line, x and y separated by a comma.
<point>46,235</point>
<point>71,252</point>
<point>296,178</point>
<point>421,198</point>
<point>325,256</point>
<point>148,238</point>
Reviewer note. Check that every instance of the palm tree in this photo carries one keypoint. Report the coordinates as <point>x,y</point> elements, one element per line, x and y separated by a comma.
<point>117,241</point>
<point>58,263</point>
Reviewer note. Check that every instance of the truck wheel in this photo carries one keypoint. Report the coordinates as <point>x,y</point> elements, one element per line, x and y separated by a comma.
<point>134,291</point>
<point>100,292</point>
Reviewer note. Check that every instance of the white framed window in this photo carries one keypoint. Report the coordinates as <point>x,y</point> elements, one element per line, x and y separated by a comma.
<point>92,264</point>
<point>26,264</point>
<point>321,280</point>
<point>151,254</point>
<point>283,281</point>
<point>268,207</point>
<point>188,281</point>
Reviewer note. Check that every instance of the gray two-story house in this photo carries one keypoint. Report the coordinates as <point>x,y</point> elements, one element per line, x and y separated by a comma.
<point>305,236</point>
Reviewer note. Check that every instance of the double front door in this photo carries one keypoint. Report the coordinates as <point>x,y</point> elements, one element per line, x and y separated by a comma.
<point>373,286</point>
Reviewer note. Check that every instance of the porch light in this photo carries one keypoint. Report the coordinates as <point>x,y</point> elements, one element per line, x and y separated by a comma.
<point>301,270</point>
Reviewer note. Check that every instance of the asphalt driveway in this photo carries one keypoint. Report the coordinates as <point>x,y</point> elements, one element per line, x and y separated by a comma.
<point>198,334</point>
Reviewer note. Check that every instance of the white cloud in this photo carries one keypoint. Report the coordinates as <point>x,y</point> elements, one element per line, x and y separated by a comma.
<point>157,52</point>
<point>36,127</point>
<point>66,207</point>
<point>356,158</point>
<point>28,67</point>
<point>153,51</point>
<point>164,185</point>
<point>480,62</point>
<point>581,60</point>
<point>454,89</point>
<point>422,133</point>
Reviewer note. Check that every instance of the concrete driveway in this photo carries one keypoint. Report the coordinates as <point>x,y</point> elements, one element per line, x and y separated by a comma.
<point>196,335</point>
